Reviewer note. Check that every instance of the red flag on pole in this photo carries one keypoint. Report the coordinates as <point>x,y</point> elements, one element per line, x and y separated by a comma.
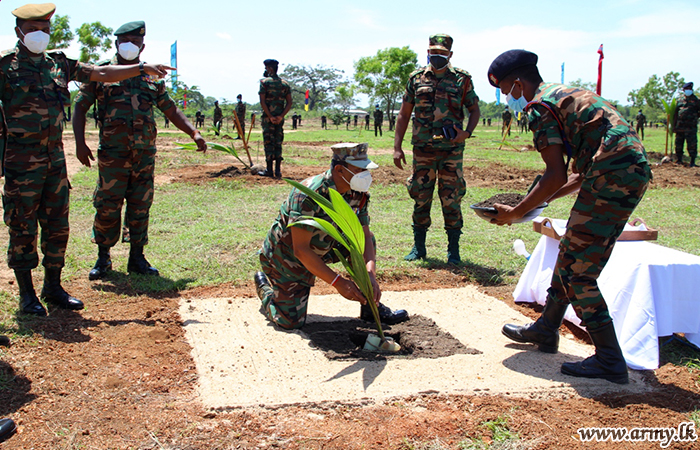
<point>306,101</point>
<point>600,70</point>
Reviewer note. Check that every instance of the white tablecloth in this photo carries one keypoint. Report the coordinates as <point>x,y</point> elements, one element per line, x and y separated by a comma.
<point>651,291</point>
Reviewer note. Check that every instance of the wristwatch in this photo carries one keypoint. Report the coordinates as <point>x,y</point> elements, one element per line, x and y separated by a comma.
<point>470,133</point>
<point>143,72</point>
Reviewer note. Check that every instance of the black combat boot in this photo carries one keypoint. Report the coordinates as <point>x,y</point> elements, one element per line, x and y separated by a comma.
<point>386,315</point>
<point>268,171</point>
<point>262,285</point>
<point>7,428</point>
<point>103,264</point>
<point>607,363</point>
<point>28,301</point>
<point>53,292</point>
<point>544,332</point>
<point>418,251</point>
<point>679,159</point>
<point>692,162</point>
<point>453,246</point>
<point>278,168</point>
<point>4,341</point>
<point>137,262</point>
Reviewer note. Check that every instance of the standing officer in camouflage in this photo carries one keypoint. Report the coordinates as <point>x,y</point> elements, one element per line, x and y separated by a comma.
<point>685,124</point>
<point>641,121</point>
<point>439,93</point>
<point>378,120</point>
<point>240,112</point>
<point>127,151</point>
<point>276,101</point>
<point>610,172</point>
<point>34,87</point>
<point>218,117</point>
<point>292,257</point>
<point>506,117</point>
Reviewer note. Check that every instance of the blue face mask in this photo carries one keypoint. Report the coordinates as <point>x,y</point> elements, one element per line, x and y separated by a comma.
<point>688,92</point>
<point>517,105</point>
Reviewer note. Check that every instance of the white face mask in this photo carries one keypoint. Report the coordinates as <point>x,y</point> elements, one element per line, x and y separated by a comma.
<point>129,51</point>
<point>360,182</point>
<point>36,41</point>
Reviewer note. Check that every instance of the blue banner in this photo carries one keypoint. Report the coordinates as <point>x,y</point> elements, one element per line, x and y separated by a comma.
<point>173,63</point>
<point>562,73</point>
<point>498,96</point>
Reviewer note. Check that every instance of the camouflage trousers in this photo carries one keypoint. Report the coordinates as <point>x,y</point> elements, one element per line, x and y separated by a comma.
<point>691,137</point>
<point>445,166</point>
<point>273,136</point>
<point>602,209</point>
<point>640,130</point>
<point>286,301</point>
<point>36,194</point>
<point>125,174</point>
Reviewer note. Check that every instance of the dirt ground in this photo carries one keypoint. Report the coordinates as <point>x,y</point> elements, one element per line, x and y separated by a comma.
<point>119,375</point>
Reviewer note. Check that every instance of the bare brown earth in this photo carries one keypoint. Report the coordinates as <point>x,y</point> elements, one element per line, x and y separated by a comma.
<point>119,375</point>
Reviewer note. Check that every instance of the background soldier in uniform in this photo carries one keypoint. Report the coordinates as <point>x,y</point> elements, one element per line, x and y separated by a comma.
<point>324,122</point>
<point>292,257</point>
<point>439,93</point>
<point>34,88</point>
<point>610,172</point>
<point>127,151</point>
<point>641,120</point>
<point>367,122</point>
<point>240,112</point>
<point>218,117</point>
<point>276,101</point>
<point>378,119</point>
<point>685,124</point>
<point>507,117</point>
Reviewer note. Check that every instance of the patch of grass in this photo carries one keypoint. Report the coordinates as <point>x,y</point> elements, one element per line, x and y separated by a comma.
<point>501,437</point>
<point>695,417</point>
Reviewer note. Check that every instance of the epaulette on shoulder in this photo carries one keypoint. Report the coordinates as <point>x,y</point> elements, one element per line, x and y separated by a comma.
<point>462,72</point>
<point>6,53</point>
<point>56,54</point>
<point>416,72</point>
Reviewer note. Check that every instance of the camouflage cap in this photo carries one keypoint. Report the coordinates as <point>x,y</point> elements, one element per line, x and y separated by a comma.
<point>352,153</point>
<point>507,62</point>
<point>137,27</point>
<point>33,11</point>
<point>440,42</point>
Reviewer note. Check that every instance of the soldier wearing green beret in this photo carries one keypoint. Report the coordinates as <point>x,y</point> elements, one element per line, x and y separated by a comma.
<point>34,91</point>
<point>439,93</point>
<point>292,257</point>
<point>127,151</point>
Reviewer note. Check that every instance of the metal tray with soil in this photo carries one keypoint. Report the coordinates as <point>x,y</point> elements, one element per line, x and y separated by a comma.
<point>510,199</point>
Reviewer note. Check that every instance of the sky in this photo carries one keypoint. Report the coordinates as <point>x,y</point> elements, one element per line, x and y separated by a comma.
<point>222,43</point>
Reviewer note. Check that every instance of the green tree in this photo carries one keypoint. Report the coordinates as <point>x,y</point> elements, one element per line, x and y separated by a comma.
<point>589,85</point>
<point>344,96</point>
<point>61,35</point>
<point>320,81</point>
<point>657,91</point>
<point>384,75</point>
<point>93,37</point>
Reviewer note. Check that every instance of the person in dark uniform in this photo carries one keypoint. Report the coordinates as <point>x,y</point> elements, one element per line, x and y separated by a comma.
<point>324,122</point>
<point>367,122</point>
<point>378,119</point>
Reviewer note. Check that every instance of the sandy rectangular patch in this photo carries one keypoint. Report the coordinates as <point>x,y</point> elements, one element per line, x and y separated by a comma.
<point>243,360</point>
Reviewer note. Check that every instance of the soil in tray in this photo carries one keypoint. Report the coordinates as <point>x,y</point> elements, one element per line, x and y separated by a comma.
<point>509,199</point>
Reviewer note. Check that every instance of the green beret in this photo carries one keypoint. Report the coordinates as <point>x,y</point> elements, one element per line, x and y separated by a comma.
<point>440,42</point>
<point>137,28</point>
<point>33,11</point>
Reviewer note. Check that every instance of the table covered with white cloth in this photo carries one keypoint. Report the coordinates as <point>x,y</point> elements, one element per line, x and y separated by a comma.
<point>651,291</point>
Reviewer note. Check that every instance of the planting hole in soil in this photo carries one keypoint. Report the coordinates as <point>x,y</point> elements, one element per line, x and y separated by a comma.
<point>419,337</point>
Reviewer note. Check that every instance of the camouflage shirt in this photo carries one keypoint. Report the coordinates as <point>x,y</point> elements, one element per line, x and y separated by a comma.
<point>378,116</point>
<point>278,243</point>
<point>687,113</point>
<point>439,101</point>
<point>218,114</point>
<point>34,92</point>
<point>240,111</point>
<point>641,119</point>
<point>126,109</point>
<point>275,91</point>
<point>601,140</point>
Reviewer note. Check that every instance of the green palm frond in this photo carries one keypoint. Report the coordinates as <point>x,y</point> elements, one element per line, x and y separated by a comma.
<point>230,149</point>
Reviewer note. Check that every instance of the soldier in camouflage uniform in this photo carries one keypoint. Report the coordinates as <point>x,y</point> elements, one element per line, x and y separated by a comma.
<point>127,151</point>
<point>685,124</point>
<point>218,117</point>
<point>378,120</point>
<point>439,93</point>
<point>240,112</point>
<point>276,101</point>
<point>506,117</point>
<point>641,121</point>
<point>34,90</point>
<point>610,172</point>
<point>292,257</point>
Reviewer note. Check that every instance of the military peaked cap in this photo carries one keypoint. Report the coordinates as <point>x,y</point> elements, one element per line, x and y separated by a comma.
<point>32,11</point>
<point>507,62</point>
<point>271,62</point>
<point>137,28</point>
<point>688,85</point>
<point>440,42</point>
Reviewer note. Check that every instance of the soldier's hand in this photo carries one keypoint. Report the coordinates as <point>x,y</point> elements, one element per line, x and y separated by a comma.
<point>84,154</point>
<point>349,290</point>
<point>399,157</point>
<point>375,289</point>
<point>158,70</point>
<point>201,143</point>
<point>462,135</point>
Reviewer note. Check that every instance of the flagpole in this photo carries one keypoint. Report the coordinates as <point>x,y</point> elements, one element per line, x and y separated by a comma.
<point>598,88</point>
